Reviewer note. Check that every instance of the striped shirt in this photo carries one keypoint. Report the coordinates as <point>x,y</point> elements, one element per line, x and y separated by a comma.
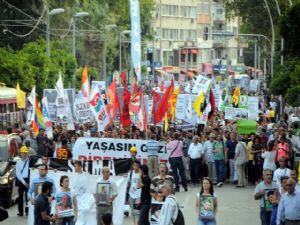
<point>152,148</point>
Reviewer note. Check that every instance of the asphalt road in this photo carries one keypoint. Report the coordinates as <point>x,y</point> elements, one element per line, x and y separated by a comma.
<point>236,206</point>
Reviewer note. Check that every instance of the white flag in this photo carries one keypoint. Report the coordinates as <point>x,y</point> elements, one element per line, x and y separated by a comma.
<point>189,112</point>
<point>59,87</point>
<point>99,109</point>
<point>47,121</point>
<point>31,99</point>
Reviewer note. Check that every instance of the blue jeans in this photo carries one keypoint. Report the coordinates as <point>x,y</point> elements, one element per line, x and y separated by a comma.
<point>68,221</point>
<point>265,216</point>
<point>206,222</point>
<point>220,170</point>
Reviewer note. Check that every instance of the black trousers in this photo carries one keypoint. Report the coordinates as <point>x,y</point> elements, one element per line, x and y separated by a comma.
<point>195,169</point>
<point>21,191</point>
<point>177,165</point>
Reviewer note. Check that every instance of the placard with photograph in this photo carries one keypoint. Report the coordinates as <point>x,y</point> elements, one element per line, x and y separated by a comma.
<point>103,194</point>
<point>207,207</point>
<point>267,204</point>
<point>37,189</point>
<point>64,206</point>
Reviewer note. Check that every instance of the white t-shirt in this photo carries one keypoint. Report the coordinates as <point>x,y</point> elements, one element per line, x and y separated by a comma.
<point>280,173</point>
<point>195,151</point>
<point>134,192</point>
<point>269,162</point>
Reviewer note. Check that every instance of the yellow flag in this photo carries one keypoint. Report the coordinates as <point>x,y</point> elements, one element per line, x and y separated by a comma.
<point>173,100</point>
<point>198,103</point>
<point>21,97</point>
<point>236,95</point>
<point>166,122</point>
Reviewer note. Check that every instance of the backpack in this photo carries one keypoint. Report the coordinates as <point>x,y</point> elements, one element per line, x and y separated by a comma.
<point>180,218</point>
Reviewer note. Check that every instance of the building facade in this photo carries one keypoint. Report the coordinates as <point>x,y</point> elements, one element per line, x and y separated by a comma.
<point>191,32</point>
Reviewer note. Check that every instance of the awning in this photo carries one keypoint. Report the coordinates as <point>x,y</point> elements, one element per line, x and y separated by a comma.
<point>194,51</point>
<point>183,51</point>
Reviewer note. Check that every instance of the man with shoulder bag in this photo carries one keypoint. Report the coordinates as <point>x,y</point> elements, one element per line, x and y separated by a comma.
<point>22,181</point>
<point>175,153</point>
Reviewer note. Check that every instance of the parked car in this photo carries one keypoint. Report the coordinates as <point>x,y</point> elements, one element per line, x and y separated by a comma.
<point>9,148</point>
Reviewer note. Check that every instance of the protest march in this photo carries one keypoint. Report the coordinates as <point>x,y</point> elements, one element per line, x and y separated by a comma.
<point>207,132</point>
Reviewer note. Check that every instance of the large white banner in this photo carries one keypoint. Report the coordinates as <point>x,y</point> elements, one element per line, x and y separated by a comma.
<point>84,186</point>
<point>253,110</point>
<point>108,148</point>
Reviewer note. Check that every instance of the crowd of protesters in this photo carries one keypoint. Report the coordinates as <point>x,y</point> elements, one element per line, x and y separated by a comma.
<point>214,154</point>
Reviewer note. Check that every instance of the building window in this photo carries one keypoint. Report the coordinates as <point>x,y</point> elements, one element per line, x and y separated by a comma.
<point>219,11</point>
<point>170,10</point>
<point>205,33</point>
<point>168,58</point>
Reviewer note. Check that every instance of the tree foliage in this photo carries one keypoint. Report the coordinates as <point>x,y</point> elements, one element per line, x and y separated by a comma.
<point>290,31</point>
<point>31,66</point>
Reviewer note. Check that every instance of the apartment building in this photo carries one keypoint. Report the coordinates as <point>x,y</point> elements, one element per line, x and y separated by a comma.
<point>192,32</point>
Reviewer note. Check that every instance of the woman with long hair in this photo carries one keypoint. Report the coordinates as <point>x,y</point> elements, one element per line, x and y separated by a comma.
<point>257,149</point>
<point>66,203</point>
<point>206,203</point>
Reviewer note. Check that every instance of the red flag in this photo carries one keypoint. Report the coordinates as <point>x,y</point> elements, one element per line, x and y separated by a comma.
<point>113,104</point>
<point>212,103</point>
<point>123,77</point>
<point>156,100</point>
<point>125,117</point>
<point>135,99</point>
<point>163,104</point>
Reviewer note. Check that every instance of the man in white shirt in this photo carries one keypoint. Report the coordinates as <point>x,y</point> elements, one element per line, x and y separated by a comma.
<point>281,171</point>
<point>106,208</point>
<point>195,152</point>
<point>22,173</point>
<point>134,192</point>
<point>169,210</point>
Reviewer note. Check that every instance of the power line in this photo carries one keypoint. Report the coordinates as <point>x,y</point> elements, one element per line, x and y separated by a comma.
<point>31,31</point>
<point>19,10</point>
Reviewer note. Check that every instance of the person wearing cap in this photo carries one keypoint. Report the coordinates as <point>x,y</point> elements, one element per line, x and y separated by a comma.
<point>22,173</point>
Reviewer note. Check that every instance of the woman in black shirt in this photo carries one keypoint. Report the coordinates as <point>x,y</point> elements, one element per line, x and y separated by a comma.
<point>144,183</point>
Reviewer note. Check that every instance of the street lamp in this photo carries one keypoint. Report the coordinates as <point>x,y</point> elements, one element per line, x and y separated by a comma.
<point>120,47</point>
<point>79,14</point>
<point>48,14</point>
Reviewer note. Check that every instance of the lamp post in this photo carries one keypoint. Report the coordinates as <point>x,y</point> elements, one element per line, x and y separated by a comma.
<point>48,14</point>
<point>79,14</point>
<point>273,37</point>
<point>107,28</point>
<point>120,48</point>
